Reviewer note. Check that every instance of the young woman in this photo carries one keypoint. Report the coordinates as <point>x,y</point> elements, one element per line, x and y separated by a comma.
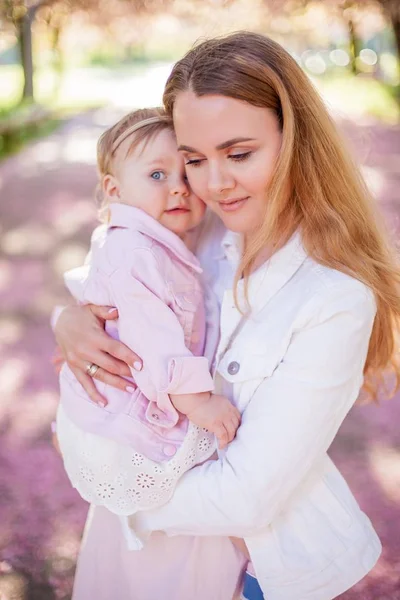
<point>308,320</point>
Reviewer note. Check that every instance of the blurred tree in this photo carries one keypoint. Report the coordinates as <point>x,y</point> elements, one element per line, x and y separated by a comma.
<point>350,11</point>
<point>21,14</point>
<point>349,8</point>
<point>391,9</point>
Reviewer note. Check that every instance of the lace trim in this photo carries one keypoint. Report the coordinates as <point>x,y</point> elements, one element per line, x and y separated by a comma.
<point>109,474</point>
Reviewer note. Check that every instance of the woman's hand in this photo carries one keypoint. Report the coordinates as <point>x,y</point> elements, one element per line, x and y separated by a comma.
<point>80,334</point>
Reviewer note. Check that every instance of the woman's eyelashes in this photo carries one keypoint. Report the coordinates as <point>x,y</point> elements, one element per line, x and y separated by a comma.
<point>194,162</point>
<point>240,156</point>
<point>236,157</point>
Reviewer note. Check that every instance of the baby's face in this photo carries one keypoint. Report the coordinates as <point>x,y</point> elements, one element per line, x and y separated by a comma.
<point>153,179</point>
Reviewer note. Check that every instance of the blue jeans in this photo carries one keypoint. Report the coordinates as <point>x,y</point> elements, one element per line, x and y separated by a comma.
<point>251,590</point>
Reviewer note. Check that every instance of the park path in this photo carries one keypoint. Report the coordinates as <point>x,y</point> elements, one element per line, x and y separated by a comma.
<point>47,211</point>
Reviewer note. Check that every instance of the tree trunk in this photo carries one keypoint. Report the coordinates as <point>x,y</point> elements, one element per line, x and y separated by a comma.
<point>392,11</point>
<point>58,59</point>
<point>396,29</point>
<point>395,18</point>
<point>354,44</point>
<point>24,26</point>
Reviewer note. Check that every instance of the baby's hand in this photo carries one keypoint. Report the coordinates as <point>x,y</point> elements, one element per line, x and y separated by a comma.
<point>219,416</point>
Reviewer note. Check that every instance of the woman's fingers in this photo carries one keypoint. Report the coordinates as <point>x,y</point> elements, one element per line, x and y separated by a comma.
<point>83,341</point>
<point>123,353</point>
<point>111,370</point>
<point>101,375</point>
<point>104,312</point>
<point>88,385</point>
<point>81,336</point>
<point>114,381</point>
<point>85,354</point>
<point>107,362</point>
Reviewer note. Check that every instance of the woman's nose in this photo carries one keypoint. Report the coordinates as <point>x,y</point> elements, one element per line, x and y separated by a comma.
<point>219,180</point>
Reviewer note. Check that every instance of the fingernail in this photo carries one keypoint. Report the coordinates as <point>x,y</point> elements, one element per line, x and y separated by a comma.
<point>137,365</point>
<point>102,403</point>
<point>130,389</point>
<point>53,426</point>
<point>112,310</point>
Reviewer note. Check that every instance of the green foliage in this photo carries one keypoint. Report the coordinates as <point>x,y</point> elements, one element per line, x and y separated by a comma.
<point>362,95</point>
<point>24,134</point>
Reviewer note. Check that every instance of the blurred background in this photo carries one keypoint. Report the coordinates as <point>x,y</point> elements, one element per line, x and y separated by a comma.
<point>70,68</point>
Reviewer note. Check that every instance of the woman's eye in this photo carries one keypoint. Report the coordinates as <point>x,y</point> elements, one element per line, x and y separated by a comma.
<point>194,162</point>
<point>240,157</point>
<point>158,175</point>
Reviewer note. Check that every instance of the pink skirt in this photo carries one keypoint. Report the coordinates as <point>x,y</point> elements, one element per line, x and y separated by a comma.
<point>168,568</point>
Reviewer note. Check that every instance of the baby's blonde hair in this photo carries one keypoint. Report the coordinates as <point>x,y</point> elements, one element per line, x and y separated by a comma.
<point>139,125</point>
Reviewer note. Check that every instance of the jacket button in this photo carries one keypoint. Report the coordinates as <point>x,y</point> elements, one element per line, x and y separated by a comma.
<point>169,450</point>
<point>233,368</point>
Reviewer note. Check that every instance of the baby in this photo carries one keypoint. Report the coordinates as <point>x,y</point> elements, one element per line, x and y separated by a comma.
<point>129,454</point>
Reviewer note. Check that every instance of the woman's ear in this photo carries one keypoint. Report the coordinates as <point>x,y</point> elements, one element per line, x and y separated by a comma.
<point>111,189</point>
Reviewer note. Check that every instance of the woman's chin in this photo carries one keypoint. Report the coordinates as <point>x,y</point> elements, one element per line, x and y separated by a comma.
<point>236,223</point>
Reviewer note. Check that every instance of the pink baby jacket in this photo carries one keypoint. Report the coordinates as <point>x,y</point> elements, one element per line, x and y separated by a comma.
<point>151,277</point>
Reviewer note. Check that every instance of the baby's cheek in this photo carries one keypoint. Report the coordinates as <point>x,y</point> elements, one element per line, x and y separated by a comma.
<point>198,183</point>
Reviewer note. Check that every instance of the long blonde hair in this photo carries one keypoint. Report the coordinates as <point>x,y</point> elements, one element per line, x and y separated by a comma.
<point>328,199</point>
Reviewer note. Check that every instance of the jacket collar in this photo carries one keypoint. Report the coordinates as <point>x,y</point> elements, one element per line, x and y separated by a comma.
<point>271,276</point>
<point>129,217</point>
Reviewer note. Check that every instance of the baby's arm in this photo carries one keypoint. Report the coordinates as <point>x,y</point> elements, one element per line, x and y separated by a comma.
<point>211,412</point>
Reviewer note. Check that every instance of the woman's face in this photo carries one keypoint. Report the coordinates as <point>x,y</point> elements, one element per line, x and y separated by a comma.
<point>230,150</point>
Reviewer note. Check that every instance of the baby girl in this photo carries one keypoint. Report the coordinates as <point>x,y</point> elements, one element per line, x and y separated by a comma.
<point>129,454</point>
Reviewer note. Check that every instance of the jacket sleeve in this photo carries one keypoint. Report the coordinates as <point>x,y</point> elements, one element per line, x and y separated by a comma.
<point>286,428</point>
<point>150,328</point>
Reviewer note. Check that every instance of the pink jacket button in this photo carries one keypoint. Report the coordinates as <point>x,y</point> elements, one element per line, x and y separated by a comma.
<point>169,450</point>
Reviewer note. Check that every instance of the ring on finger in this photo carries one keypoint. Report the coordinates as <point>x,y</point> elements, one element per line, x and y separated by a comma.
<point>92,369</point>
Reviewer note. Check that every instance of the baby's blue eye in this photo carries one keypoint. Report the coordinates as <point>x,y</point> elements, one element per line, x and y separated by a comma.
<point>157,175</point>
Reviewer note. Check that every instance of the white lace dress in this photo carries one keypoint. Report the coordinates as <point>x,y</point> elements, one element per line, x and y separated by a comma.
<point>115,476</point>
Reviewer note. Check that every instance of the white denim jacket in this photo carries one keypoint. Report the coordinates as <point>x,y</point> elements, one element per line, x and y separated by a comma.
<point>296,368</point>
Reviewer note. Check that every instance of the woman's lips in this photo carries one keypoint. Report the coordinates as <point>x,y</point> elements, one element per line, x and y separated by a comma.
<point>233,204</point>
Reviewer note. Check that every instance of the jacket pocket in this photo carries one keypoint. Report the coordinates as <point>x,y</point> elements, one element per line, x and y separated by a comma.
<point>239,367</point>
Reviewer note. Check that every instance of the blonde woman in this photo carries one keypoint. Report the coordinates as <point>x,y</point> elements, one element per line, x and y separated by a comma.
<point>309,292</point>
